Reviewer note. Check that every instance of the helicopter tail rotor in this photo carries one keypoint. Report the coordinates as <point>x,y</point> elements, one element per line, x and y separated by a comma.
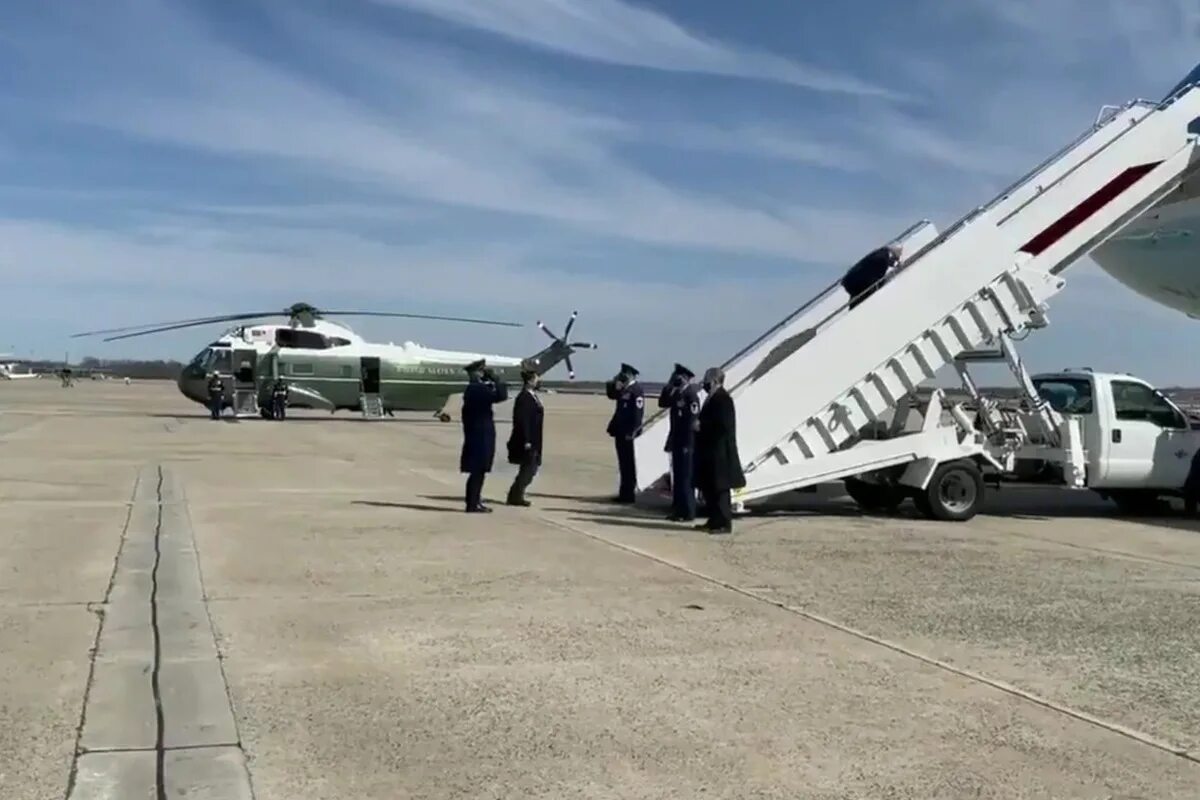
<point>560,349</point>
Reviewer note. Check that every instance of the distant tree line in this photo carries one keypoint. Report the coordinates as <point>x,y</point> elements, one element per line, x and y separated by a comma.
<point>118,368</point>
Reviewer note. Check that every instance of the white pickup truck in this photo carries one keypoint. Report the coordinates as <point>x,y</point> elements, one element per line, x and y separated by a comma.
<point>1137,444</point>
<point>1114,434</point>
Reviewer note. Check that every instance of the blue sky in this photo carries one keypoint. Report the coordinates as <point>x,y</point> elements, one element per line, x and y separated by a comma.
<point>683,172</point>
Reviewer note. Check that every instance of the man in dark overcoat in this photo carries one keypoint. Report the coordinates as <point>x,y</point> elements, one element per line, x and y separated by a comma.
<point>525,441</point>
<point>719,467</point>
<point>479,430</point>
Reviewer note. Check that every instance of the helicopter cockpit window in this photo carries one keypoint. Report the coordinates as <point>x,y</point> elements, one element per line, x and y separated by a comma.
<point>338,341</point>
<point>300,339</point>
<point>221,360</point>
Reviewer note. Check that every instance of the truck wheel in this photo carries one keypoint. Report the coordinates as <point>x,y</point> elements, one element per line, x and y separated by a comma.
<point>1136,502</point>
<point>874,496</point>
<point>955,492</point>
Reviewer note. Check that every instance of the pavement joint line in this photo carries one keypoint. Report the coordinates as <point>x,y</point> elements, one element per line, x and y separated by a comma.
<point>1007,688</point>
<point>160,778</point>
<point>98,610</point>
<point>191,714</point>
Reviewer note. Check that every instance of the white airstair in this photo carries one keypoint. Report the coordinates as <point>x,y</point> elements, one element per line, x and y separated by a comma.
<point>371,404</point>
<point>800,410</point>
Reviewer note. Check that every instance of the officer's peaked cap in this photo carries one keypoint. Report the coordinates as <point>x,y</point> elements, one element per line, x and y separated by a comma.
<point>680,369</point>
<point>629,370</point>
<point>475,366</point>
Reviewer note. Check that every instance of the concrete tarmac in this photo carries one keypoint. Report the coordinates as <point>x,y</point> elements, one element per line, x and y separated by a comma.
<point>300,610</point>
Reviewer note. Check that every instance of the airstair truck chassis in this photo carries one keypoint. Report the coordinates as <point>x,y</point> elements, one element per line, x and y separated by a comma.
<point>987,277</point>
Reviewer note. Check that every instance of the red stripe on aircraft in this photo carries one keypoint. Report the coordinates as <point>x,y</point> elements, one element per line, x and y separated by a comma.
<point>1080,213</point>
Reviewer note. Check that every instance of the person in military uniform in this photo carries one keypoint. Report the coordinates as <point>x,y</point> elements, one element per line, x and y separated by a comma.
<point>525,441</point>
<point>216,394</point>
<point>624,426</point>
<point>279,398</point>
<point>479,430</point>
<point>865,277</point>
<point>682,398</point>
<point>719,467</point>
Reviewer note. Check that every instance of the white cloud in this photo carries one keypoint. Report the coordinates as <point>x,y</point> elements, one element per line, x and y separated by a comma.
<point>617,32</point>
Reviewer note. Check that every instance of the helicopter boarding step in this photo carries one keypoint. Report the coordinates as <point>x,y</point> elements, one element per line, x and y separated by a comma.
<point>372,405</point>
<point>985,278</point>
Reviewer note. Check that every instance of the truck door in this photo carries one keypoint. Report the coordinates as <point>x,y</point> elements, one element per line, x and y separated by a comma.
<point>1150,443</point>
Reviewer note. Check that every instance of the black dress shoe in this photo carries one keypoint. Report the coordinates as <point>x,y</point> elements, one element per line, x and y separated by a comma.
<point>480,509</point>
<point>721,530</point>
<point>518,503</point>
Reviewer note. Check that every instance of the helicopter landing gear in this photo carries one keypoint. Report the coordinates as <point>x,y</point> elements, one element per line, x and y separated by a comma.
<point>442,416</point>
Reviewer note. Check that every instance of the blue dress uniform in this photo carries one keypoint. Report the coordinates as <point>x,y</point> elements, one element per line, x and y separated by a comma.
<point>216,395</point>
<point>683,400</point>
<point>625,424</point>
<point>479,431</point>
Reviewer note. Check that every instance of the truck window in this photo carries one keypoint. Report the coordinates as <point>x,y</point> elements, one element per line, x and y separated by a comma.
<point>1066,395</point>
<point>1136,401</point>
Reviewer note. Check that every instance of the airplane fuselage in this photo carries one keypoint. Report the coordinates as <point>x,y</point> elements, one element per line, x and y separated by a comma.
<point>1158,255</point>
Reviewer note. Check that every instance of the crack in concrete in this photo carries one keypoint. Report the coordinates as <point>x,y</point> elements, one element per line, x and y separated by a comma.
<point>98,610</point>
<point>155,718</point>
<point>155,676</point>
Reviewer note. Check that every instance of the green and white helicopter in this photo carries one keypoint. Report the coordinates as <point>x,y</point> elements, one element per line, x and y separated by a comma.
<point>328,366</point>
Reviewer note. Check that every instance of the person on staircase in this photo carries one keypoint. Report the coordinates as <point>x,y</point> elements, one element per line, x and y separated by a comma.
<point>870,272</point>
<point>483,391</point>
<point>682,398</point>
<point>625,425</point>
<point>719,467</point>
<point>525,441</point>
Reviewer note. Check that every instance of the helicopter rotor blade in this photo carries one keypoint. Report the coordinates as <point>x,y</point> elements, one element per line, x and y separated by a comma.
<point>584,346</point>
<point>193,324</point>
<point>193,321</point>
<point>420,316</point>
<point>570,324</point>
<point>570,369</point>
<point>548,332</point>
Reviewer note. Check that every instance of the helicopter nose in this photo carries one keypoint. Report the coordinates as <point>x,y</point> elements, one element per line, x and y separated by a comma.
<point>189,386</point>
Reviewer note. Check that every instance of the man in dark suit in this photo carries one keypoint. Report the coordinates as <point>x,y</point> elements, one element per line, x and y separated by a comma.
<point>719,467</point>
<point>479,430</point>
<point>525,442</point>
<point>625,425</point>
<point>865,277</point>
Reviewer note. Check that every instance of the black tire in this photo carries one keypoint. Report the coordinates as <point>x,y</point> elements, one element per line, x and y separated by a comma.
<point>1136,502</point>
<point>954,494</point>
<point>874,496</point>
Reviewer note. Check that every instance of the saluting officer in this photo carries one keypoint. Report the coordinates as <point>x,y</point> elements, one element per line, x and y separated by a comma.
<point>624,426</point>
<point>279,398</point>
<point>216,394</point>
<point>525,441</point>
<point>682,397</point>
<point>479,430</point>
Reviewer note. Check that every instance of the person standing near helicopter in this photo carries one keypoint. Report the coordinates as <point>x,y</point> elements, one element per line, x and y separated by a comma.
<point>483,391</point>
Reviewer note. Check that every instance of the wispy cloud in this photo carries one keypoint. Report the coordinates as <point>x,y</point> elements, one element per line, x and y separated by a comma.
<point>616,32</point>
